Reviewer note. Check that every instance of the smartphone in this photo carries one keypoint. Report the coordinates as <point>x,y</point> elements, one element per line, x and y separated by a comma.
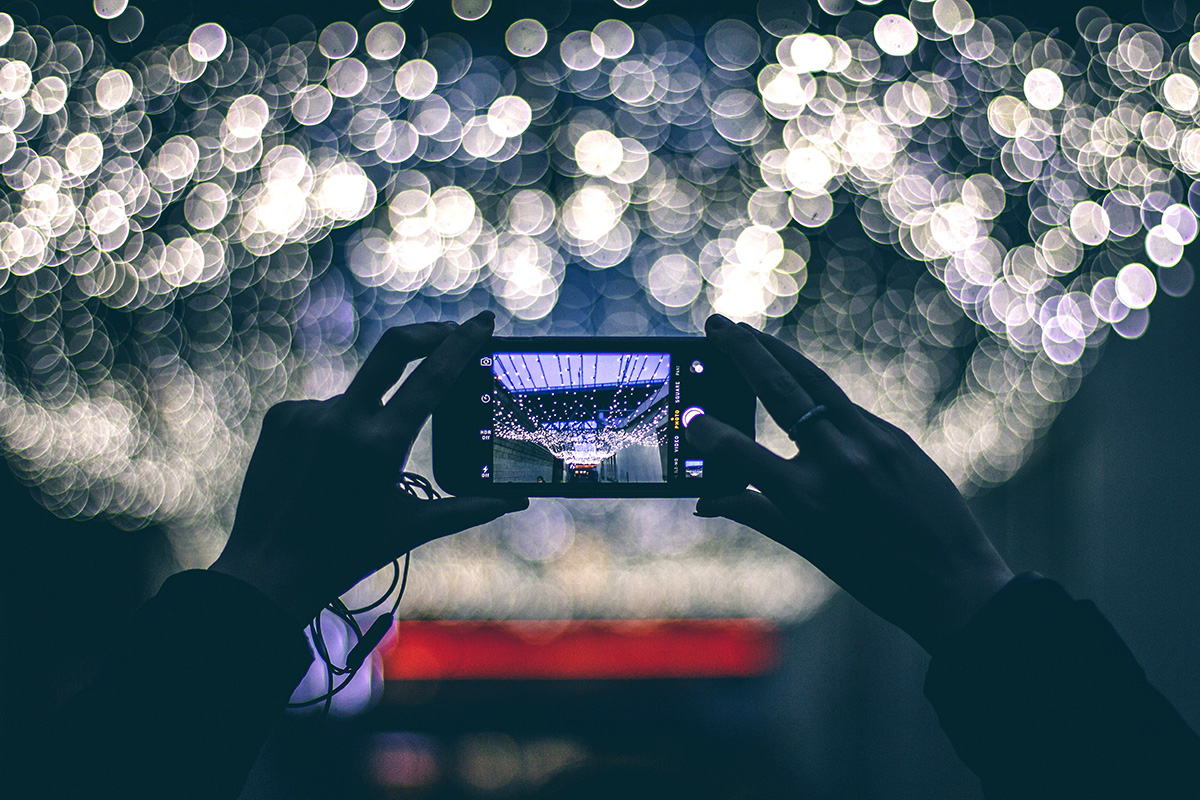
<point>588,417</point>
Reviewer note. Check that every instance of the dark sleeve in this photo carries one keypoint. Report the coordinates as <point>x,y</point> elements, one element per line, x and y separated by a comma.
<point>191,691</point>
<point>1041,698</point>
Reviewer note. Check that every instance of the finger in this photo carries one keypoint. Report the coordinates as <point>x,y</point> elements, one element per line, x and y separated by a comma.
<point>276,446</point>
<point>760,466</point>
<point>752,509</point>
<point>391,355</point>
<point>415,400</point>
<point>885,431</point>
<point>280,415</point>
<point>437,518</point>
<point>782,395</point>
<point>820,387</point>
<point>805,534</point>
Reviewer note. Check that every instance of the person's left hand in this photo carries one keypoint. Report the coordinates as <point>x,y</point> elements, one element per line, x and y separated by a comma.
<point>319,508</point>
<point>860,500</point>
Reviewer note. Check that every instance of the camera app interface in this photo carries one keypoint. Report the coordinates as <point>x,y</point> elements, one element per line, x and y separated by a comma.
<point>581,417</point>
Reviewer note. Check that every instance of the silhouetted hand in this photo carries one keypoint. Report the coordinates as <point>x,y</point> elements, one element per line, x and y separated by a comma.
<point>860,500</point>
<point>319,508</point>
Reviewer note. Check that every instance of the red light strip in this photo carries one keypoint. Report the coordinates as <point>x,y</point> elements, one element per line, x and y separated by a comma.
<point>691,648</point>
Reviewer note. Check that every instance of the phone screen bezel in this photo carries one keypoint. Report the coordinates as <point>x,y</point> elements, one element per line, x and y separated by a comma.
<point>461,416</point>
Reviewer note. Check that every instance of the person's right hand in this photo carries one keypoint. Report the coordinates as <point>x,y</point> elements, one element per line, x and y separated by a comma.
<point>320,508</point>
<point>860,500</point>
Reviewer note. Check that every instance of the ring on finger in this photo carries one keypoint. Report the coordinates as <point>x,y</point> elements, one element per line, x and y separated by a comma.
<point>812,415</point>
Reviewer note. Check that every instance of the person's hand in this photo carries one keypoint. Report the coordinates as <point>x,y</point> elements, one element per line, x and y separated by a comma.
<point>319,508</point>
<point>860,500</point>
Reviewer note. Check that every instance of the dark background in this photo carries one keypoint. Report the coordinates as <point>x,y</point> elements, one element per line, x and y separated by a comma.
<point>1108,505</point>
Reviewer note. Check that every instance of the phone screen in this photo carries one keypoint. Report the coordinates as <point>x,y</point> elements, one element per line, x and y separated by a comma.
<point>586,417</point>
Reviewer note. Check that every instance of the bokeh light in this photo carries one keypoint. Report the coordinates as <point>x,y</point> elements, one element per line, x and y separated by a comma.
<point>948,213</point>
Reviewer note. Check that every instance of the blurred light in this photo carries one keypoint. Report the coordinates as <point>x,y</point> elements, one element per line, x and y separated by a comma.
<point>126,27</point>
<point>582,649</point>
<point>525,37</point>
<point>218,222</point>
<point>385,41</point>
<point>1043,89</point>
<point>489,762</point>
<point>471,9</point>
<point>403,761</point>
<point>895,35</point>
<point>1135,285</point>
<point>207,42</point>
<point>338,40</point>
<point>109,9</point>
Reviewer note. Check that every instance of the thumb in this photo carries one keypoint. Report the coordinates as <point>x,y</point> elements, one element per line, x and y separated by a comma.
<point>453,514</point>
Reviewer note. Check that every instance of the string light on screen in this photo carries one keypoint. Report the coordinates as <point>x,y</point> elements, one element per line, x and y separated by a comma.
<point>950,214</point>
<point>582,407</point>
